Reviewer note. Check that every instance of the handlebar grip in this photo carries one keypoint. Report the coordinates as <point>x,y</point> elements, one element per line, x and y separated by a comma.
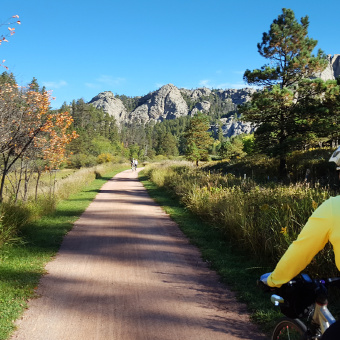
<point>333,281</point>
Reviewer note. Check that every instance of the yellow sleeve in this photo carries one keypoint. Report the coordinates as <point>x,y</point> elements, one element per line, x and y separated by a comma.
<point>312,238</point>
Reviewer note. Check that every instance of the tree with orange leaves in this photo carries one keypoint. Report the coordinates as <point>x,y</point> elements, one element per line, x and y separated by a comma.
<point>55,138</point>
<point>11,30</point>
<point>28,127</point>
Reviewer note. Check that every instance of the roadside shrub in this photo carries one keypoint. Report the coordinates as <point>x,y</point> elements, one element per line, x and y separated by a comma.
<point>15,214</point>
<point>105,158</point>
<point>12,219</point>
<point>257,166</point>
<point>310,166</point>
<point>313,166</point>
<point>159,158</point>
<point>8,233</point>
<point>81,160</point>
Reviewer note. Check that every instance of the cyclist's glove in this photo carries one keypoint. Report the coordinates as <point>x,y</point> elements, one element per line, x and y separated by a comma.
<point>264,278</point>
<point>262,283</point>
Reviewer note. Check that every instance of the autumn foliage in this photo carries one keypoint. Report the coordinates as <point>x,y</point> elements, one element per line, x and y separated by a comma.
<point>29,130</point>
<point>55,138</point>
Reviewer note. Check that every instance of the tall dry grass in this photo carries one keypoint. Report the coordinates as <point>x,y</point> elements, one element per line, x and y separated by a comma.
<point>263,220</point>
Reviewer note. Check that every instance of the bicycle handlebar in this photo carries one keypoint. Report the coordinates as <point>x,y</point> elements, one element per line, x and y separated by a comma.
<point>332,281</point>
<point>300,293</point>
<point>302,278</point>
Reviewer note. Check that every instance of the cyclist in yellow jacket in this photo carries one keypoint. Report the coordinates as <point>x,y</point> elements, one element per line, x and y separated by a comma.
<point>322,226</point>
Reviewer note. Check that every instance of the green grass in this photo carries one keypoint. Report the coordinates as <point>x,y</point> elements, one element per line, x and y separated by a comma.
<point>235,267</point>
<point>22,264</point>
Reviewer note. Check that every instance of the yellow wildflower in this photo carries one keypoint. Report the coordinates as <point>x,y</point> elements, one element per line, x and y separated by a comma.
<point>264,207</point>
<point>314,205</point>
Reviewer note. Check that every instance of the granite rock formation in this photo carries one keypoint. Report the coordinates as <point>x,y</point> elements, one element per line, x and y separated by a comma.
<point>113,106</point>
<point>332,71</point>
<point>165,103</point>
<point>169,102</point>
<point>232,127</point>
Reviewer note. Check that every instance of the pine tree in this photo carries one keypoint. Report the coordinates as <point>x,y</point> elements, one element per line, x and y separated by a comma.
<point>198,138</point>
<point>7,78</point>
<point>288,109</point>
<point>33,85</point>
<point>232,148</point>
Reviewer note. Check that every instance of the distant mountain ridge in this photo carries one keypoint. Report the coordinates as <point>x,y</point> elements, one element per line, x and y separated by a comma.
<point>170,102</point>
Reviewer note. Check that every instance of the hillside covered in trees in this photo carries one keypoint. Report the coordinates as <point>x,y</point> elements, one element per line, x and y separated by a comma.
<point>111,125</point>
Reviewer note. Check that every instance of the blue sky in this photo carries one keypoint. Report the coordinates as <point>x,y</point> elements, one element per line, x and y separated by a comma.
<point>79,48</point>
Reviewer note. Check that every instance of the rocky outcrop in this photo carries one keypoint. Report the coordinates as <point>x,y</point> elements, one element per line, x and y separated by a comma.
<point>237,96</point>
<point>113,106</point>
<point>197,93</point>
<point>165,103</point>
<point>232,127</point>
<point>335,62</point>
<point>332,71</point>
<point>203,106</point>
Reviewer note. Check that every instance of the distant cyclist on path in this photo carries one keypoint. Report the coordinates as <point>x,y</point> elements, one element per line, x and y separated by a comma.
<point>134,164</point>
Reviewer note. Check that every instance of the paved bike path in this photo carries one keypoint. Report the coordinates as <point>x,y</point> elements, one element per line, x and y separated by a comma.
<point>126,272</point>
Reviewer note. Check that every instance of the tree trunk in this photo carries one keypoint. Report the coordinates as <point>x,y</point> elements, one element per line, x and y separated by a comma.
<point>283,168</point>
<point>2,184</point>
<point>4,173</point>
<point>37,184</point>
